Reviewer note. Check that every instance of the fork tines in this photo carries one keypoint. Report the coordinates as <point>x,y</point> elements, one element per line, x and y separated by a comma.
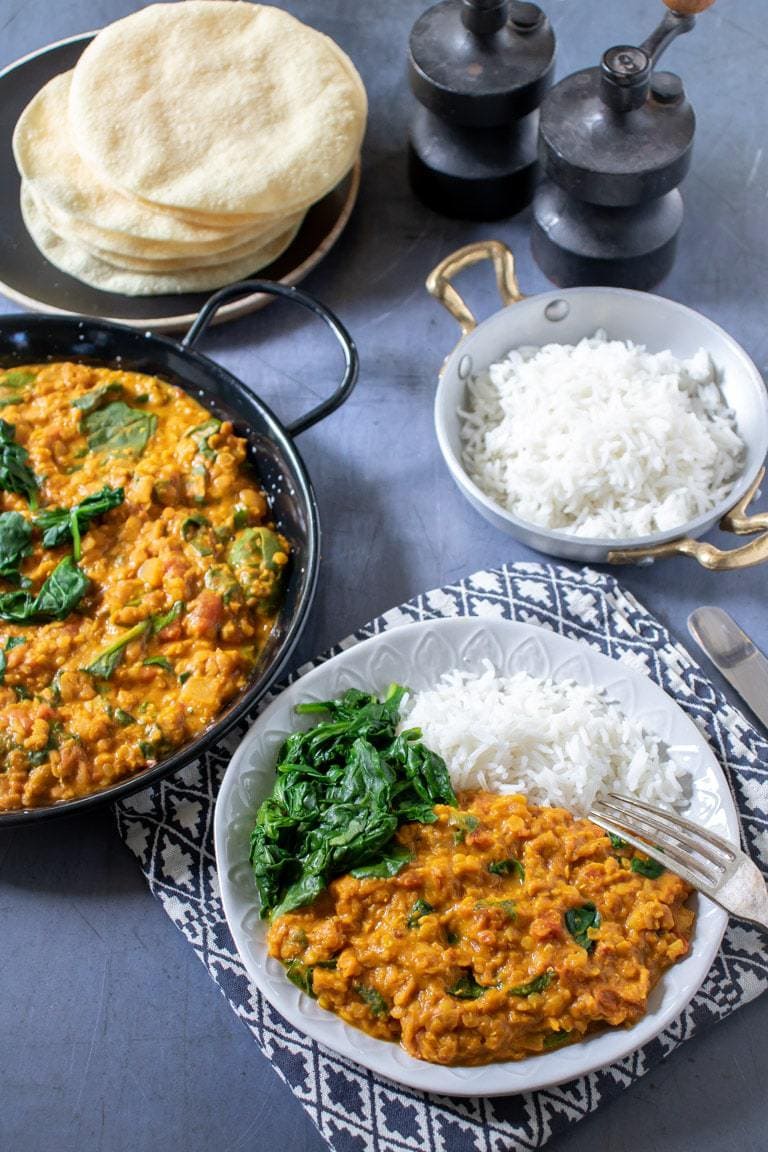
<point>694,853</point>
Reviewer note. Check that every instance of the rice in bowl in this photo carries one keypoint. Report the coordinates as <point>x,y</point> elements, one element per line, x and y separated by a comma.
<point>601,439</point>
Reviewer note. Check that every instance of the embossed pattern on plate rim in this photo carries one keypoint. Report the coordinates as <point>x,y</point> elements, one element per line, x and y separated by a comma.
<point>418,653</point>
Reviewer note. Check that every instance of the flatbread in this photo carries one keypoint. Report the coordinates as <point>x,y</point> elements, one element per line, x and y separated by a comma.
<point>76,261</point>
<point>173,263</point>
<point>217,107</point>
<point>96,213</point>
<point>147,257</point>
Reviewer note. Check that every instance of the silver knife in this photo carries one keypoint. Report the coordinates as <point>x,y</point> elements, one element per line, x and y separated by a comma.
<point>734,655</point>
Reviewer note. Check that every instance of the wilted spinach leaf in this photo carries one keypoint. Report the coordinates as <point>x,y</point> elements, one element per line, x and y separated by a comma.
<point>202,434</point>
<point>12,642</point>
<point>162,619</point>
<point>393,860</point>
<point>507,906</point>
<point>196,530</point>
<point>579,920</point>
<point>96,398</point>
<point>59,595</point>
<point>555,1039</point>
<point>62,591</point>
<point>508,867</point>
<point>15,382</point>
<point>119,429</point>
<point>420,908</point>
<point>373,999</point>
<point>17,378</point>
<point>300,975</point>
<point>60,525</point>
<point>463,822</point>
<point>107,661</point>
<point>15,544</point>
<point>55,733</point>
<point>257,558</point>
<point>466,988</point>
<point>342,790</point>
<point>197,480</point>
<point>538,984</point>
<point>651,869</point>
<point>15,472</point>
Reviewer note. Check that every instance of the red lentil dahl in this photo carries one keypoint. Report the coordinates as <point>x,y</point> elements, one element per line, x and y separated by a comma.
<point>191,538</point>
<point>513,930</point>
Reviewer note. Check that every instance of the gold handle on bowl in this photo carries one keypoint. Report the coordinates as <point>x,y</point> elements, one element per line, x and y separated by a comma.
<point>737,521</point>
<point>439,280</point>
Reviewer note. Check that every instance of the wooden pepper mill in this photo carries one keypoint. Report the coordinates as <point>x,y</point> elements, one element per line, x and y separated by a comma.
<point>614,143</point>
<point>479,69</point>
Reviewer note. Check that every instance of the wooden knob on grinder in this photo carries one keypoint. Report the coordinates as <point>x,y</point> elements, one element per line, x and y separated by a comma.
<point>688,7</point>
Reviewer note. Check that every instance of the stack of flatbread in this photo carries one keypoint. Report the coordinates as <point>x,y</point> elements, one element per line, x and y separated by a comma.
<point>184,149</point>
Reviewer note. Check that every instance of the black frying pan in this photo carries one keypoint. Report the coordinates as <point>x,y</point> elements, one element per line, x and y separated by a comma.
<point>280,469</point>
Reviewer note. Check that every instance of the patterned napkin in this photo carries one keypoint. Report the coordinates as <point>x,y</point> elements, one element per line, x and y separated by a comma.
<point>169,828</point>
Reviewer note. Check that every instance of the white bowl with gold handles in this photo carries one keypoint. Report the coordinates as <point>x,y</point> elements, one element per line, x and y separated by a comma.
<point>565,316</point>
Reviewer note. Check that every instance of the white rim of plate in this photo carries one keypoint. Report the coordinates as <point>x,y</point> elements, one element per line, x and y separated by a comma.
<point>405,651</point>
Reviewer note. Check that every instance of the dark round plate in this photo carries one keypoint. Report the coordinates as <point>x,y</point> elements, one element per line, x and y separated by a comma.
<point>30,280</point>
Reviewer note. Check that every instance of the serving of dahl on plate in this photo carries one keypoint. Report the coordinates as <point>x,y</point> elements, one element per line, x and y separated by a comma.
<point>140,576</point>
<point>470,926</point>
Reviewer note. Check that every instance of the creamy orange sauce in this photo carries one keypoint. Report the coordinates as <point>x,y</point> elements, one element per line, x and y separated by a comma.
<point>467,958</point>
<point>175,544</point>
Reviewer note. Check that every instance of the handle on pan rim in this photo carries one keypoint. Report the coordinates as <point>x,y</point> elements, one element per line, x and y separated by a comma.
<point>738,521</point>
<point>205,316</point>
<point>439,281</point>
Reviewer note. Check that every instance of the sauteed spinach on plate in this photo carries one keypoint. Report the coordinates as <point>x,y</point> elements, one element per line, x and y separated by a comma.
<point>343,788</point>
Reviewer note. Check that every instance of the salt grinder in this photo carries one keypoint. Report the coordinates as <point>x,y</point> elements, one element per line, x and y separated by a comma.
<point>614,143</point>
<point>479,70</point>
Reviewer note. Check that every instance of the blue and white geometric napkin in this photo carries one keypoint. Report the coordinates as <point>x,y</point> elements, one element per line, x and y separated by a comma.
<point>170,830</point>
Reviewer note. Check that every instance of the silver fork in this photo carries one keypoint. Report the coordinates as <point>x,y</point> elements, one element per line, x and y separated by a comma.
<point>707,862</point>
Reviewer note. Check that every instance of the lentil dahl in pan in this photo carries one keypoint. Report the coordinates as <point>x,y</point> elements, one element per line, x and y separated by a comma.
<point>511,931</point>
<point>140,576</point>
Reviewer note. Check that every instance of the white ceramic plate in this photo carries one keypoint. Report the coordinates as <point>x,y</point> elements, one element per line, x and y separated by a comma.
<point>416,655</point>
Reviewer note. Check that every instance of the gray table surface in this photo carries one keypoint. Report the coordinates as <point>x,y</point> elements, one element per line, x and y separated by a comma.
<point>112,1036</point>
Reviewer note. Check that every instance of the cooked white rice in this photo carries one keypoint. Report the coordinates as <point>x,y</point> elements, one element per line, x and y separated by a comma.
<point>601,438</point>
<point>557,743</point>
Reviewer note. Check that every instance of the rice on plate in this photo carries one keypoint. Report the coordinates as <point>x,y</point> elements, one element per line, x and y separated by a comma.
<point>556,743</point>
<point>601,438</point>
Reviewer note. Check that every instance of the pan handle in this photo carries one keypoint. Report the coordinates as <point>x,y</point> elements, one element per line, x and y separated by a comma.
<point>439,280</point>
<point>737,521</point>
<point>205,317</point>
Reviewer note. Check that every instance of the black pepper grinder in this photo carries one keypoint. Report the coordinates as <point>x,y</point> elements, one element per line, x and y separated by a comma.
<point>614,144</point>
<point>479,69</point>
